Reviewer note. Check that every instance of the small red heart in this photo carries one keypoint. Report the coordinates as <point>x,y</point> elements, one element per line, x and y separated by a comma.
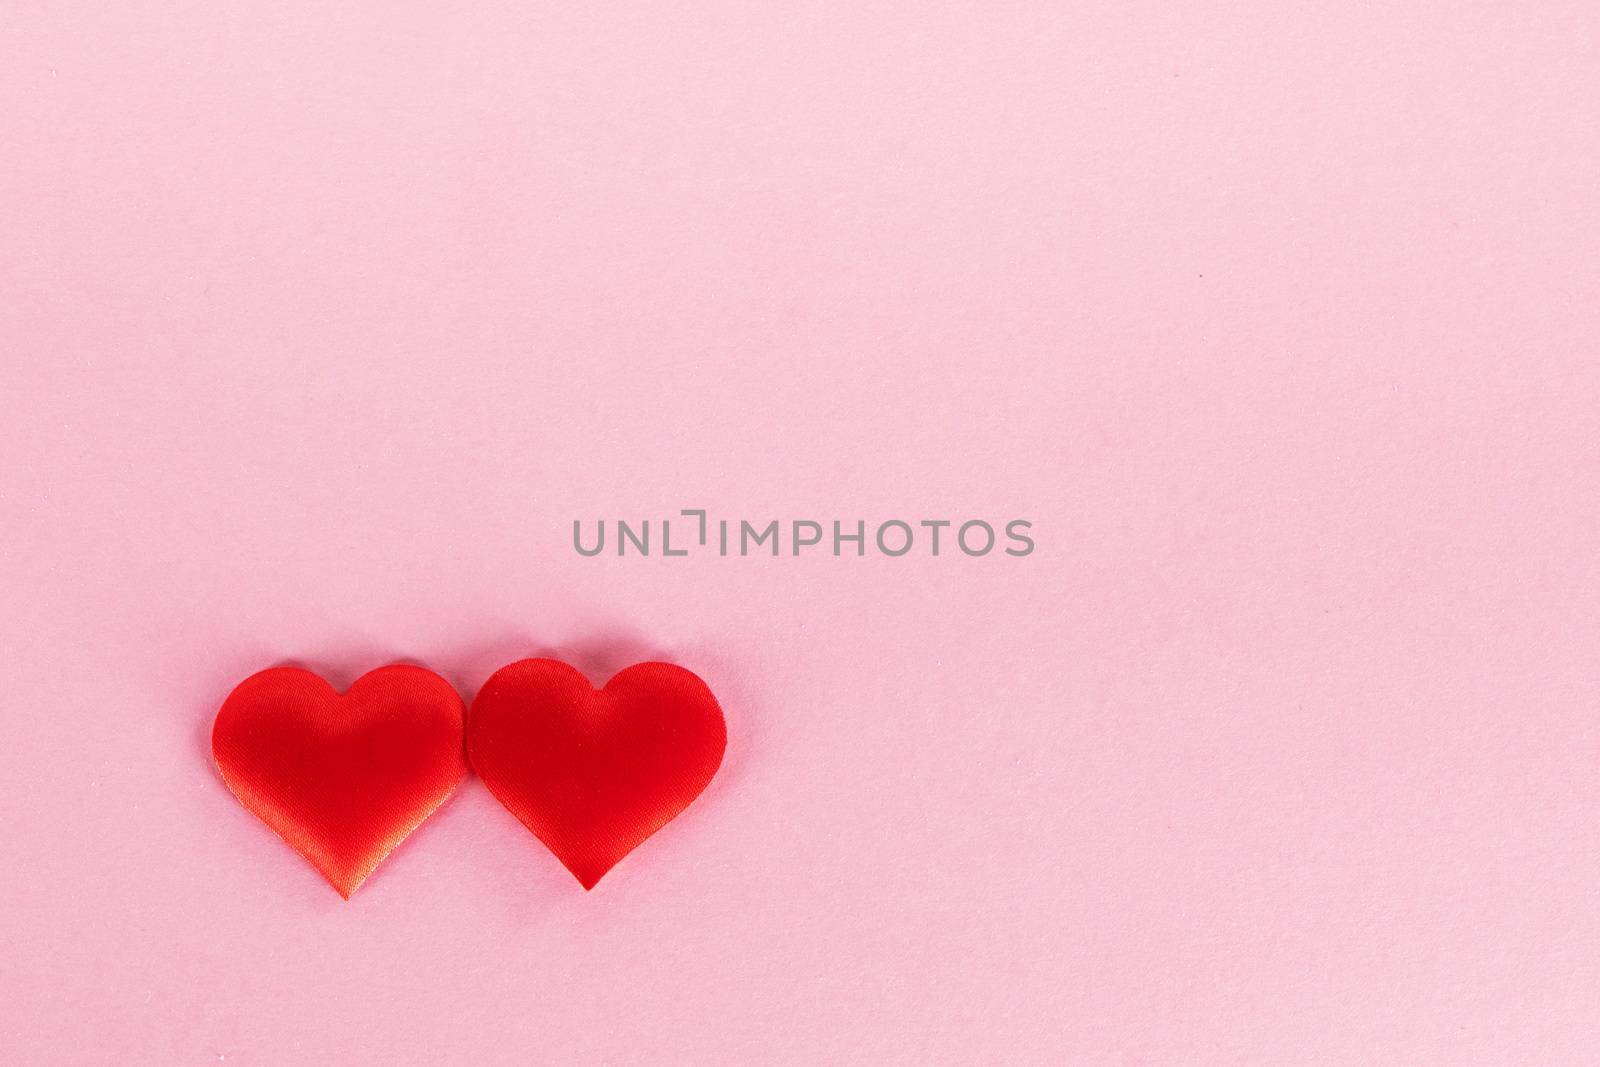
<point>594,772</point>
<point>344,778</point>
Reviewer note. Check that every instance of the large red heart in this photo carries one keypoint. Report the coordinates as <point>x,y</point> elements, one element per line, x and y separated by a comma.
<point>594,772</point>
<point>344,778</point>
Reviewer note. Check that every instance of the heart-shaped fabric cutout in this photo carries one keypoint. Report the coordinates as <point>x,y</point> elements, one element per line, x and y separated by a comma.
<point>344,778</point>
<point>593,773</point>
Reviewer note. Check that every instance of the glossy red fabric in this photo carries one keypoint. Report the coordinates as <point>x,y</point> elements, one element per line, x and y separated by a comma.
<point>593,773</point>
<point>343,778</point>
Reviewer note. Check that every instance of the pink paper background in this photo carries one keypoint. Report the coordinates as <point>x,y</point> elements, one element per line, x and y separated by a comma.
<point>319,323</point>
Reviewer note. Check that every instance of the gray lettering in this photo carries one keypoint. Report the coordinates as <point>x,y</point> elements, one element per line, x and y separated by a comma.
<point>624,535</point>
<point>701,512</point>
<point>961,537</point>
<point>802,542</point>
<point>577,541</point>
<point>746,530</point>
<point>904,548</point>
<point>935,525</point>
<point>666,540</point>
<point>1011,532</point>
<point>859,537</point>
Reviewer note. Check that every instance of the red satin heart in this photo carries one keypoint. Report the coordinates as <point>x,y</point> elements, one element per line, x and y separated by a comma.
<point>593,773</point>
<point>344,778</point>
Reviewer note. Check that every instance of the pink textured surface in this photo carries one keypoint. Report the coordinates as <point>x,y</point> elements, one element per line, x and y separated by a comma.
<point>319,323</point>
